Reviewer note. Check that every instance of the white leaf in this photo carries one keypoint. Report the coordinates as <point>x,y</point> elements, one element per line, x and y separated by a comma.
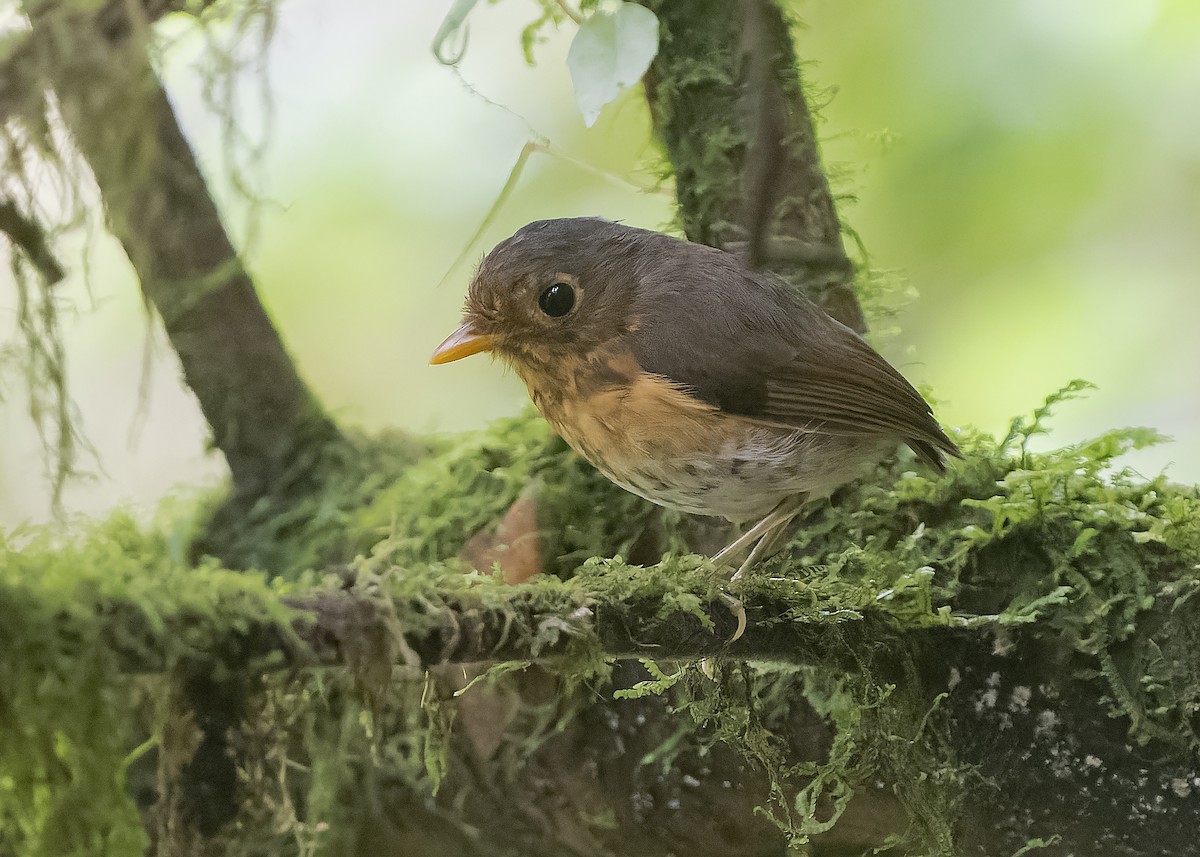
<point>611,52</point>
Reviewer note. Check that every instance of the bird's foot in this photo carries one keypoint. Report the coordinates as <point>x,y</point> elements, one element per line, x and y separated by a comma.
<point>738,609</point>
<point>765,537</point>
<point>735,605</point>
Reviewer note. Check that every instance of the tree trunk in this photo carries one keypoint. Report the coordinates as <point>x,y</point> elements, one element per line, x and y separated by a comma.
<point>727,102</point>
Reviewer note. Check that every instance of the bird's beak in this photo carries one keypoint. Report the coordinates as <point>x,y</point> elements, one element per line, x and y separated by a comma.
<point>462,343</point>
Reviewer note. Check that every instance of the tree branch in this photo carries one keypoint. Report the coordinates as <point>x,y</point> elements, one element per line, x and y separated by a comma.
<point>1003,692</point>
<point>333,628</point>
<point>469,633</point>
<point>263,417</point>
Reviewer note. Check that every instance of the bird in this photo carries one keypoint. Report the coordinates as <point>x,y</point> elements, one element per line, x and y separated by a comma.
<point>688,378</point>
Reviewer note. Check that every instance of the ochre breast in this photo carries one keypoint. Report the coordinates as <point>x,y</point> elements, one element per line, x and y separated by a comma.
<point>612,412</point>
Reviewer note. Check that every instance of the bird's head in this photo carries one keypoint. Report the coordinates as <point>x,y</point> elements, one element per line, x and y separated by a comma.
<point>554,292</point>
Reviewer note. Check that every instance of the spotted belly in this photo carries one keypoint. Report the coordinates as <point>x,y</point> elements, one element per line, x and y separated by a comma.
<point>741,480</point>
<point>740,483</point>
<point>718,465</point>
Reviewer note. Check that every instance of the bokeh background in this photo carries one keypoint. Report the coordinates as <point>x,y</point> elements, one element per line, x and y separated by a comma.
<point>1027,172</point>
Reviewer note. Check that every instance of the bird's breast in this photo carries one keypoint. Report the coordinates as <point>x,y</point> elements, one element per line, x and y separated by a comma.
<point>653,438</point>
<point>609,410</point>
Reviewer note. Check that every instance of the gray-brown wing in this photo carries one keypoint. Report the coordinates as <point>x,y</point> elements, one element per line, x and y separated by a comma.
<point>742,341</point>
<point>841,386</point>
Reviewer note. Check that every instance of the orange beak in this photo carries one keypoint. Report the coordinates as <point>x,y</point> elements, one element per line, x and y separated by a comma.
<point>462,343</point>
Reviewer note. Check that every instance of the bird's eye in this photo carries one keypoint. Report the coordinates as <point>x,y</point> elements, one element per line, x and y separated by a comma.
<point>557,300</point>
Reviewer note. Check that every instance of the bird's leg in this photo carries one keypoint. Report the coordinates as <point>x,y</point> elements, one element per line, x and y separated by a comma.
<point>767,545</point>
<point>780,516</point>
<point>765,535</point>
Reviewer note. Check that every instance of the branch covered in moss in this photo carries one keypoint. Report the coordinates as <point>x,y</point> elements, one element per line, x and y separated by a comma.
<point>539,623</point>
<point>728,105</point>
<point>1012,645</point>
<point>446,618</point>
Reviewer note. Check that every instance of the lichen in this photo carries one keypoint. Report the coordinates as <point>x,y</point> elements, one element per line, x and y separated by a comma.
<point>45,182</point>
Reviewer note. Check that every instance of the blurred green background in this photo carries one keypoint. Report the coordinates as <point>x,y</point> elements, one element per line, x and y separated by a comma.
<point>1027,171</point>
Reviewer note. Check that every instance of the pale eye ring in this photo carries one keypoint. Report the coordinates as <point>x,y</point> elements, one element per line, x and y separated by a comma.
<point>557,300</point>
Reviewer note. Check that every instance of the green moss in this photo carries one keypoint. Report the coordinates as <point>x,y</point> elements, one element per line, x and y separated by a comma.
<point>435,506</point>
<point>929,552</point>
<point>416,519</point>
<point>704,144</point>
<point>312,519</point>
<point>1063,546</point>
<point>73,613</point>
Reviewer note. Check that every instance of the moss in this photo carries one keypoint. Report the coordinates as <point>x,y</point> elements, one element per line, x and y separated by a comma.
<point>704,144</point>
<point>73,613</point>
<point>1062,547</point>
<point>416,519</point>
<point>931,552</point>
<point>1046,545</point>
<point>310,522</point>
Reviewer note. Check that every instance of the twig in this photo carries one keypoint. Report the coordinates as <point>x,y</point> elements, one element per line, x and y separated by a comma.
<point>569,12</point>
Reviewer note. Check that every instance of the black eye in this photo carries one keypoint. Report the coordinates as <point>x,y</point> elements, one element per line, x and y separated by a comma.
<point>557,300</point>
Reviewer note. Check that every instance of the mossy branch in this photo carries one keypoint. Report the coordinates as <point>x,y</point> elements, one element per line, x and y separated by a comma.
<point>487,622</point>
<point>1018,635</point>
<point>529,626</point>
<point>727,102</point>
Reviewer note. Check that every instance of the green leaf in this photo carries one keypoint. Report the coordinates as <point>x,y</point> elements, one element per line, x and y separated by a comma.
<point>658,684</point>
<point>611,52</point>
